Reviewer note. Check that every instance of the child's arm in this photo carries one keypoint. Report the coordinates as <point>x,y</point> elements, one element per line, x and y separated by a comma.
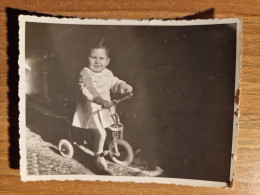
<point>86,86</point>
<point>119,86</point>
<point>89,91</point>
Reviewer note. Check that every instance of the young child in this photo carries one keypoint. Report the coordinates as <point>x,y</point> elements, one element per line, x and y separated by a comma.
<point>93,110</point>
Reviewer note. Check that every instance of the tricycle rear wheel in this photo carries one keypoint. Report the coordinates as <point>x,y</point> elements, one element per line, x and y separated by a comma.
<point>66,148</point>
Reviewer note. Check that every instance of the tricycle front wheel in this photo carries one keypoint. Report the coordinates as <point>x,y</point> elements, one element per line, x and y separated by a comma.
<point>121,152</point>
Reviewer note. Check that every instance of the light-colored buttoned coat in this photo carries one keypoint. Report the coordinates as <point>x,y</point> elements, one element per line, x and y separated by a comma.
<point>88,114</point>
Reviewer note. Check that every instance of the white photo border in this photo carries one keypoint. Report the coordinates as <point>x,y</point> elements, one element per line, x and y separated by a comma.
<point>22,106</point>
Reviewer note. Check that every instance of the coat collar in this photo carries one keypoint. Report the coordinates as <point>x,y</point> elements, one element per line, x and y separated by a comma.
<point>105,72</point>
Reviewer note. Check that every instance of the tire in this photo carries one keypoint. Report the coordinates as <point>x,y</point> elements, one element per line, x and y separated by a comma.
<point>66,148</point>
<point>126,156</point>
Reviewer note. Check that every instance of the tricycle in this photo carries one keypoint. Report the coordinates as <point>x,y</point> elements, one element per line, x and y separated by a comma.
<point>119,150</point>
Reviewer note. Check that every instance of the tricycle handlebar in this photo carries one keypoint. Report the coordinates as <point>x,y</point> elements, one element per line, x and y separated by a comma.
<point>129,95</point>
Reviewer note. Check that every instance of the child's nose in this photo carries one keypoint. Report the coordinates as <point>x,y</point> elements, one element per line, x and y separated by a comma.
<point>97,60</point>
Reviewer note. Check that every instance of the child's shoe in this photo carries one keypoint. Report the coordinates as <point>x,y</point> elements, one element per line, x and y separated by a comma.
<point>101,163</point>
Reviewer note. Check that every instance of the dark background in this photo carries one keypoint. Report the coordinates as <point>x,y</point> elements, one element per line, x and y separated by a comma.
<point>181,116</point>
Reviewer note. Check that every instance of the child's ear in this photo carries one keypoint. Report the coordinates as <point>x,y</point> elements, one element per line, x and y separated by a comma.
<point>108,61</point>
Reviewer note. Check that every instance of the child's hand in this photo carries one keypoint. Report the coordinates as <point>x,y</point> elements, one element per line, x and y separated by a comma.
<point>106,104</point>
<point>125,88</point>
<point>128,88</point>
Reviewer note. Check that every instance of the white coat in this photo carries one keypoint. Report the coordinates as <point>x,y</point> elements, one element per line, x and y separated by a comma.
<point>88,114</point>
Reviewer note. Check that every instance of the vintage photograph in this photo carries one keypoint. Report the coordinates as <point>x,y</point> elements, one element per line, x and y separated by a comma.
<point>129,100</point>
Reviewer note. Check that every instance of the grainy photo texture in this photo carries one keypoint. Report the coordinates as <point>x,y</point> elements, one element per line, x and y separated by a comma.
<point>125,100</point>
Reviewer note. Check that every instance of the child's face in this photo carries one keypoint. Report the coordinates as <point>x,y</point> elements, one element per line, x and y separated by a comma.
<point>98,60</point>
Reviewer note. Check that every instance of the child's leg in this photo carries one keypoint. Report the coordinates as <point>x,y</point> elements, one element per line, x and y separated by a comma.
<point>99,140</point>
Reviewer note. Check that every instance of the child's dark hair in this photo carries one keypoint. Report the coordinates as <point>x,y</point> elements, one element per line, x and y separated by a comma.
<point>99,43</point>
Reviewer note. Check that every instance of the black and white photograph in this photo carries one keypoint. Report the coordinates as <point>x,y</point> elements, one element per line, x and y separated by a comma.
<point>129,100</point>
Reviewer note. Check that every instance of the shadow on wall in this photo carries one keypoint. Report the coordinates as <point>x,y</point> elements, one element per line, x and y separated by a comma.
<point>185,126</point>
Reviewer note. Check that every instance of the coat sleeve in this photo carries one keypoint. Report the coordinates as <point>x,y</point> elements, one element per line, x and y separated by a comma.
<point>86,86</point>
<point>115,84</point>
